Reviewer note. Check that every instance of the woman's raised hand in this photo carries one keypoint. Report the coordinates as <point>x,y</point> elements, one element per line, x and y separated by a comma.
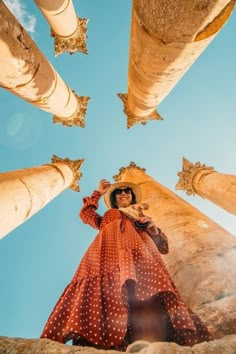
<point>151,228</point>
<point>103,186</point>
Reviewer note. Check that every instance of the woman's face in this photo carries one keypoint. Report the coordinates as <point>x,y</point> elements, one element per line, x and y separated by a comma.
<point>123,197</point>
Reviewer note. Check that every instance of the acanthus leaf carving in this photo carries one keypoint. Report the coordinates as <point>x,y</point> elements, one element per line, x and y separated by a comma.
<point>78,118</point>
<point>188,173</point>
<point>74,165</point>
<point>76,42</point>
<point>132,165</point>
<point>131,118</point>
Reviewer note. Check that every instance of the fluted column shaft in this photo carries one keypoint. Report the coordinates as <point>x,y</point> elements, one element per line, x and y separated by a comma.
<point>167,36</point>
<point>202,254</point>
<point>26,72</point>
<point>69,30</point>
<point>24,192</point>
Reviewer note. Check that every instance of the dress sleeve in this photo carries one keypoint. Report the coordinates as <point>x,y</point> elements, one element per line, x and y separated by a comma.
<point>88,212</point>
<point>161,242</point>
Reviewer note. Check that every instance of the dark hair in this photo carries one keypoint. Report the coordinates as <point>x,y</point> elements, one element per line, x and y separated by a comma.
<point>113,198</point>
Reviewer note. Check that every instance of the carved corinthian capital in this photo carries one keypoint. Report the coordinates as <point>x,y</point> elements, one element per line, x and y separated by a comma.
<point>74,165</point>
<point>76,119</point>
<point>122,170</point>
<point>76,42</point>
<point>189,172</point>
<point>131,118</point>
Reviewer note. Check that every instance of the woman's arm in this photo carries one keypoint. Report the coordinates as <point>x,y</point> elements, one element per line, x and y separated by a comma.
<point>88,212</point>
<point>158,237</point>
<point>160,241</point>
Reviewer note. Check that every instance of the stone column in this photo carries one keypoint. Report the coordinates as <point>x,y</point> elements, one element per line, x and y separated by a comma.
<point>166,38</point>
<point>203,180</point>
<point>68,30</point>
<point>23,193</point>
<point>202,254</point>
<point>27,73</point>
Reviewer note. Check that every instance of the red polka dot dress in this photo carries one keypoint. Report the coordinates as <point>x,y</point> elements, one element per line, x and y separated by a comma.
<point>95,308</point>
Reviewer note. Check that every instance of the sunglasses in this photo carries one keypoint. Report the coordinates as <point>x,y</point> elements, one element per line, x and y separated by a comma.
<point>127,190</point>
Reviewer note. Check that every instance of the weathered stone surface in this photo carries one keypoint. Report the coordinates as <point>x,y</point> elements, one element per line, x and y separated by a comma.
<point>226,345</point>
<point>44,346</point>
<point>219,316</point>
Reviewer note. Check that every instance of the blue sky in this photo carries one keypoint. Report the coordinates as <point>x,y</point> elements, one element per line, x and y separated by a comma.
<point>39,258</point>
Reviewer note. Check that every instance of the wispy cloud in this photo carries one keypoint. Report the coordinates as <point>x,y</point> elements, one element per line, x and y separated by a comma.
<point>27,20</point>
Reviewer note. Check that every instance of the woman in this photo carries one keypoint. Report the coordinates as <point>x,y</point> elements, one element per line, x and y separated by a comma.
<point>121,291</point>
